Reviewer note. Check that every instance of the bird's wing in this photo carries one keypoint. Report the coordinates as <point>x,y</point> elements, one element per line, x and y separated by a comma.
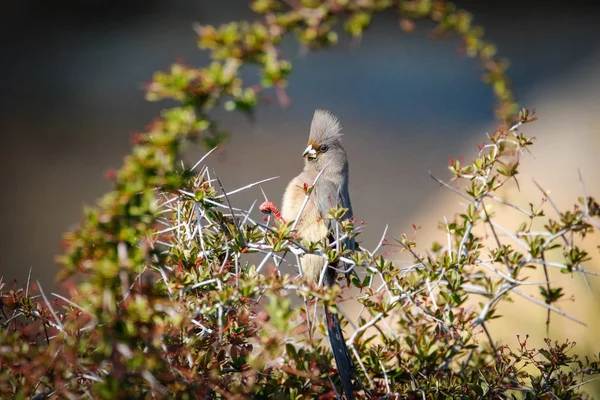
<point>329,195</point>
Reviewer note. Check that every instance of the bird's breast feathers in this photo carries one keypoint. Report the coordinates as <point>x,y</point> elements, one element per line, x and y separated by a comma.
<point>310,225</point>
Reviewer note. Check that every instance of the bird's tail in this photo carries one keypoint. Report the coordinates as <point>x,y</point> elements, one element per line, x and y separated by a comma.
<point>340,352</point>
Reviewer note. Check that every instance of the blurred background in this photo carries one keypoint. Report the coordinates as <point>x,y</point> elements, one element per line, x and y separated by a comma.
<point>72,93</point>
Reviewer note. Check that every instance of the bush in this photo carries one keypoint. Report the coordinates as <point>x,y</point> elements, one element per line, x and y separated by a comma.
<point>170,304</point>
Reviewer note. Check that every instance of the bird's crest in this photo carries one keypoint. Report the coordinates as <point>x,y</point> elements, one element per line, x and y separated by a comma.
<point>325,127</point>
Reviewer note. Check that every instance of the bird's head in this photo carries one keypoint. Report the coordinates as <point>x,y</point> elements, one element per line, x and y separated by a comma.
<point>324,143</point>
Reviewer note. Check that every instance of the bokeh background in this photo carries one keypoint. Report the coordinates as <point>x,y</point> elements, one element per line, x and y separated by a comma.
<point>72,93</point>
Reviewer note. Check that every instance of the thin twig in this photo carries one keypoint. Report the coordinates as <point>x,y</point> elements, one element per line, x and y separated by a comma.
<point>204,157</point>
<point>58,323</point>
<point>550,307</point>
<point>441,182</point>
<point>244,187</point>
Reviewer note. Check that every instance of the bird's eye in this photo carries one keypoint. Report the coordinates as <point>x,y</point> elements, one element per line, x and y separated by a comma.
<point>324,148</point>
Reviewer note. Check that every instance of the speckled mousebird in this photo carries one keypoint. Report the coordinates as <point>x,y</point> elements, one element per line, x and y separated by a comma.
<point>326,155</point>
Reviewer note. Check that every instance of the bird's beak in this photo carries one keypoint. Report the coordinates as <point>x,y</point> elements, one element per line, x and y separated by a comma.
<point>310,152</point>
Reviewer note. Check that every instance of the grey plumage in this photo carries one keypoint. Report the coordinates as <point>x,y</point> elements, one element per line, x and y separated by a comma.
<point>330,191</point>
<point>325,127</point>
<point>326,155</point>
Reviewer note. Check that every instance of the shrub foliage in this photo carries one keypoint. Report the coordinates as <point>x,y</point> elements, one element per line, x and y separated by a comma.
<point>171,302</point>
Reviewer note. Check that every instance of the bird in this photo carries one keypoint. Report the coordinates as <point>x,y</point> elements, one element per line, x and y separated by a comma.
<point>326,156</point>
